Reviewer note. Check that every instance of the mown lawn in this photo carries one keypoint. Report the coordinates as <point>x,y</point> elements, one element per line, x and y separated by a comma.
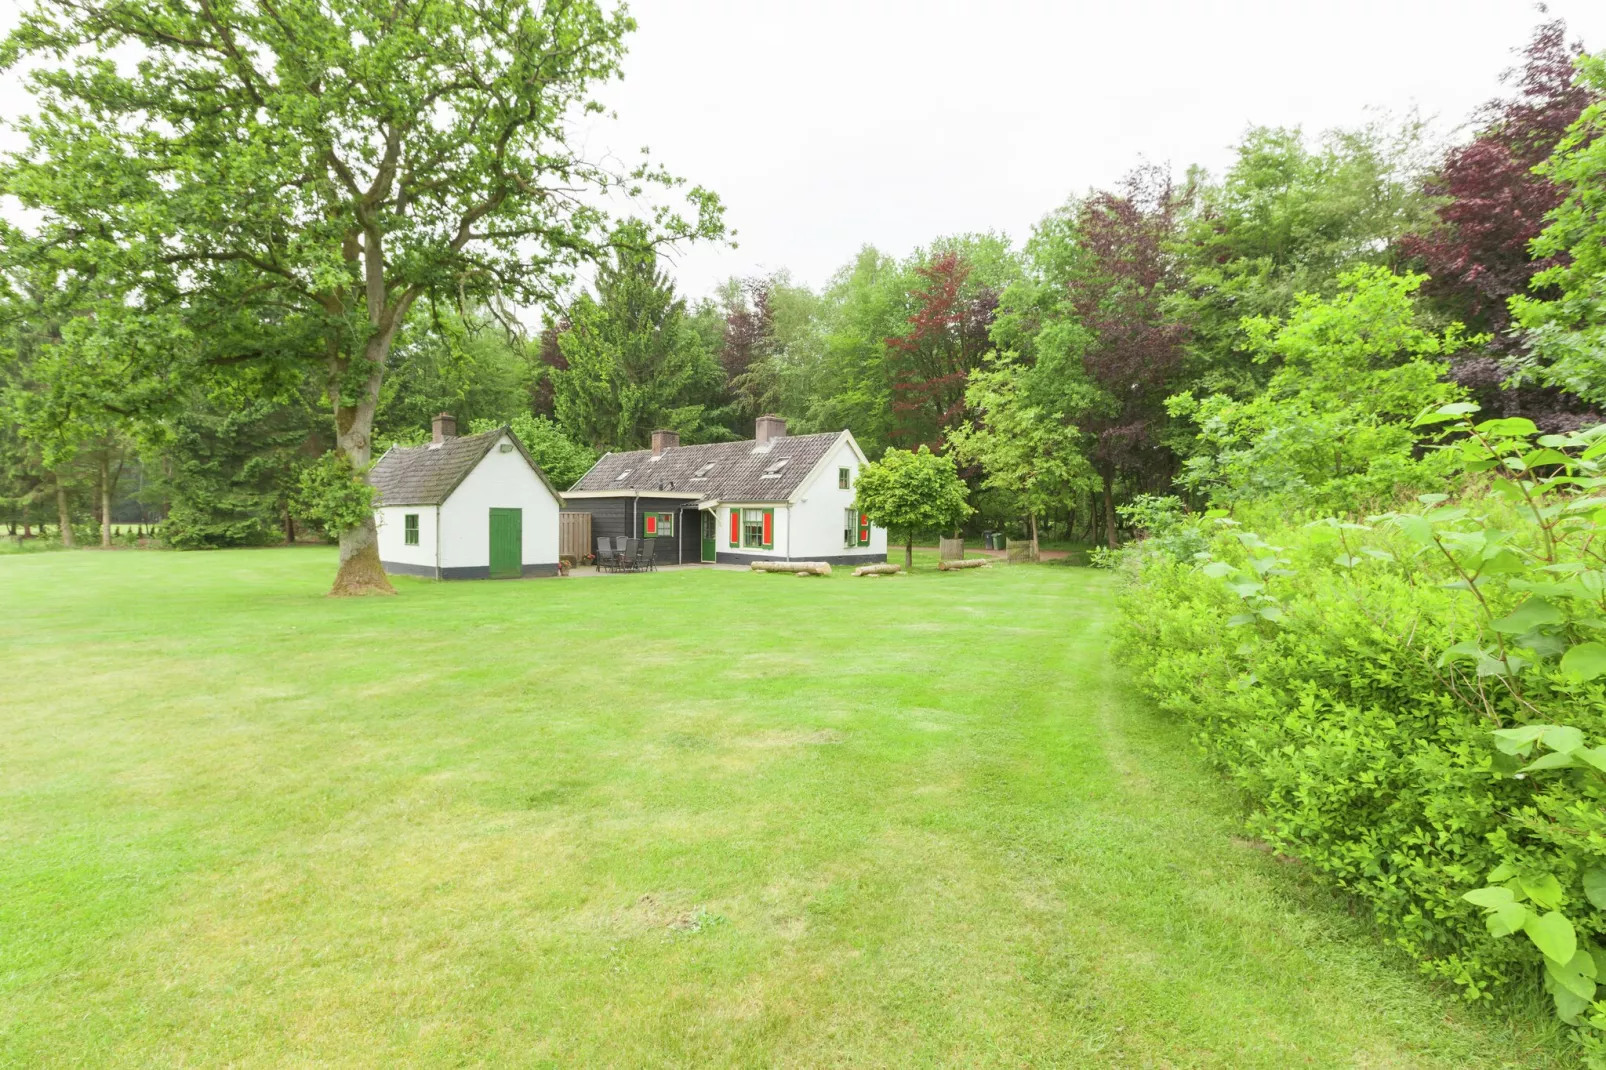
<point>685,819</point>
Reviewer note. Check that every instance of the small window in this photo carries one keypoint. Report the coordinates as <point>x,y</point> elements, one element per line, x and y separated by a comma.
<point>702,473</point>
<point>658,525</point>
<point>621,475</point>
<point>753,528</point>
<point>850,527</point>
<point>844,478</point>
<point>774,470</point>
<point>410,529</point>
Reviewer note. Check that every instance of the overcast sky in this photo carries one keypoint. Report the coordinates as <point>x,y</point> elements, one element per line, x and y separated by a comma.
<point>836,123</point>
<point>828,125</point>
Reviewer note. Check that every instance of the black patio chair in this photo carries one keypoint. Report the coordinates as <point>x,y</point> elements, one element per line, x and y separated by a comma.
<point>645,561</point>
<point>626,550</point>
<point>604,553</point>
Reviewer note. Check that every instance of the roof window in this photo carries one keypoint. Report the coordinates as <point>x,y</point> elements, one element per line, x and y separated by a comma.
<point>702,473</point>
<point>774,470</point>
<point>621,475</point>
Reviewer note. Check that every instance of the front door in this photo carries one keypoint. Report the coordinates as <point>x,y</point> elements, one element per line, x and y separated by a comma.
<point>709,526</point>
<point>507,540</point>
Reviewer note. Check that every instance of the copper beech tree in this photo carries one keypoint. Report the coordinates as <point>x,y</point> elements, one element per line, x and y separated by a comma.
<point>286,178</point>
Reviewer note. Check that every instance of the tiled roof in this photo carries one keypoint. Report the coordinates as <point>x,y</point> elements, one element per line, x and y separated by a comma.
<point>735,472</point>
<point>427,475</point>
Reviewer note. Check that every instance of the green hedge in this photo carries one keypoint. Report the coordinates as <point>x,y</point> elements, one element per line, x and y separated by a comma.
<point>1407,700</point>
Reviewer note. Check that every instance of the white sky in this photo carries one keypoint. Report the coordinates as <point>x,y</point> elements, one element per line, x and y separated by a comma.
<point>836,123</point>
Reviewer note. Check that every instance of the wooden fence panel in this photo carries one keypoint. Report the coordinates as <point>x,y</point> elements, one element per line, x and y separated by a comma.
<point>574,535</point>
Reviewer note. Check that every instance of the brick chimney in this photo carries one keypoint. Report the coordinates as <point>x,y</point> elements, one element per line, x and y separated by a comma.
<point>769,427</point>
<point>445,428</point>
<point>663,440</point>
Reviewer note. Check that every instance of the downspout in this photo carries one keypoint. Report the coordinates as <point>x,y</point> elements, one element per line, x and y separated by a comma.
<point>438,541</point>
<point>635,509</point>
<point>789,531</point>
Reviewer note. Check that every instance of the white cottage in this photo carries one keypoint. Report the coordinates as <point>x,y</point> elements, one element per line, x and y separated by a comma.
<point>777,497</point>
<point>476,507</point>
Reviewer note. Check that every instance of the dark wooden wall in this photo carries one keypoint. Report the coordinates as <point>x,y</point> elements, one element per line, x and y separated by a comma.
<point>614,518</point>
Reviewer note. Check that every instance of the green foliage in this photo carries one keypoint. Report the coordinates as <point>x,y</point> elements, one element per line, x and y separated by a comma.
<point>1569,333</point>
<point>912,493</point>
<point>330,495</point>
<point>560,457</point>
<point>467,365</point>
<point>635,362</point>
<point>1034,456</point>
<point>231,466</point>
<point>1289,217</point>
<point>1162,521</point>
<point>1407,701</point>
<point>1332,429</point>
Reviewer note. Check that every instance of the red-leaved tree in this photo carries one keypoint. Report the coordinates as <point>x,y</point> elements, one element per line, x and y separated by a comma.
<point>1495,203</point>
<point>749,328</point>
<point>1135,349</point>
<point>931,362</point>
<point>552,360</point>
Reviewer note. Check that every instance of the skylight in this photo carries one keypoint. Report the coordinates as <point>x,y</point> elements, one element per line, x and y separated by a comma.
<point>774,470</point>
<point>702,473</point>
<point>621,475</point>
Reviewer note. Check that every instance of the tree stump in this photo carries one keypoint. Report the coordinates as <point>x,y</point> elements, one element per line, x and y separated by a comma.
<point>950,549</point>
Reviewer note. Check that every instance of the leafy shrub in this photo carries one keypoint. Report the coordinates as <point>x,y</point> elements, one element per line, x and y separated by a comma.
<point>332,496</point>
<point>1408,703</point>
<point>1162,522</point>
<point>191,527</point>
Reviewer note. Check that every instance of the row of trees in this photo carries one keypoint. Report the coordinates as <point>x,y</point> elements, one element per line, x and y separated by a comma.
<point>1269,331</point>
<point>210,324</point>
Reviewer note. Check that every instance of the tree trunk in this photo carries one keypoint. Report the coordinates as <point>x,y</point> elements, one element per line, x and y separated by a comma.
<point>360,572</point>
<point>1032,517</point>
<point>61,512</point>
<point>289,529</point>
<point>909,554</point>
<point>1109,509</point>
<point>105,501</point>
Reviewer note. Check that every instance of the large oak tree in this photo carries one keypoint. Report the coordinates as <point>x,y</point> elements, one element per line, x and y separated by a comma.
<point>287,177</point>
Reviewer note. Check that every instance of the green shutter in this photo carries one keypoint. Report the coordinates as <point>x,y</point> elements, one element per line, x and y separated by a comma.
<point>736,528</point>
<point>649,525</point>
<point>769,529</point>
<point>864,529</point>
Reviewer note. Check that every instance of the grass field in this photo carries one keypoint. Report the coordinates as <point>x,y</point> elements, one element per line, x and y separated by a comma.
<point>684,819</point>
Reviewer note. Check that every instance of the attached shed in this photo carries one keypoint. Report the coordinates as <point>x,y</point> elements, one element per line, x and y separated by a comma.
<point>475,507</point>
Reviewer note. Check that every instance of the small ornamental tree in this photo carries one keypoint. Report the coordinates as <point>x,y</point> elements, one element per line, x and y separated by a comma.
<point>1031,454</point>
<point>912,494</point>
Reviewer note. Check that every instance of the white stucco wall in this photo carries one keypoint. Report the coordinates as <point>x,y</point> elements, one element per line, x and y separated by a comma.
<point>393,535</point>
<point>778,550</point>
<point>818,515</point>
<point>500,481</point>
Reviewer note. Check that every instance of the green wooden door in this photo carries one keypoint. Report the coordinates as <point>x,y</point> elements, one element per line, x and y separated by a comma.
<point>710,525</point>
<point>507,537</point>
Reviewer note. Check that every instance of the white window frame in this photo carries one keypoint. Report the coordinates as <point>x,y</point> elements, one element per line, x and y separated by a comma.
<point>754,517</point>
